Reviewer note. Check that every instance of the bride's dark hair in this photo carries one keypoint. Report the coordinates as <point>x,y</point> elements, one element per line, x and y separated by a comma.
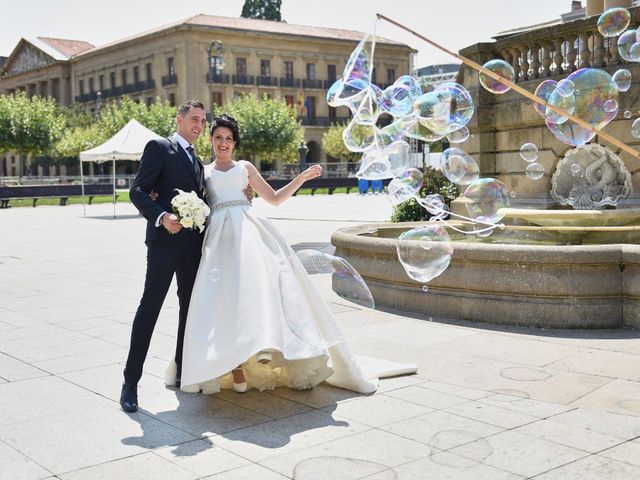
<point>228,121</point>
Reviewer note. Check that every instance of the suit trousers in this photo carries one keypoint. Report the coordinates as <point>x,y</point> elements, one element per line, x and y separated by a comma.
<point>180,257</point>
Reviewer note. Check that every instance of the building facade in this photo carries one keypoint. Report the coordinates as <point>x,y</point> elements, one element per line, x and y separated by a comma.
<point>207,57</point>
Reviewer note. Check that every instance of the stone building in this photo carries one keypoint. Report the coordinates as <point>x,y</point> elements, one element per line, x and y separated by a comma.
<point>208,57</point>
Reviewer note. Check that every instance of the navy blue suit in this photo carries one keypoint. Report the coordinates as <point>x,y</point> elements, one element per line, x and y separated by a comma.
<point>164,167</point>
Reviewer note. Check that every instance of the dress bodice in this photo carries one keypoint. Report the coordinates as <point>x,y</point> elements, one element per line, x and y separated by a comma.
<point>226,186</point>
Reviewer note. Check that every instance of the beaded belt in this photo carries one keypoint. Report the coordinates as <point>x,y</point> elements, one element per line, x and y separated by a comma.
<point>231,203</point>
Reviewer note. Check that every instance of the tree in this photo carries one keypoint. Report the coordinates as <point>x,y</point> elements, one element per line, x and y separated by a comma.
<point>262,9</point>
<point>29,126</point>
<point>434,182</point>
<point>269,128</point>
<point>333,144</point>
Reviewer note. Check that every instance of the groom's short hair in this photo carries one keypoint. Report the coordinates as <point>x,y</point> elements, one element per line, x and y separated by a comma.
<point>186,106</point>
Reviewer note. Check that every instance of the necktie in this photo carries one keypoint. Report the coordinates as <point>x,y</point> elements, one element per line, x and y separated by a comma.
<point>194,161</point>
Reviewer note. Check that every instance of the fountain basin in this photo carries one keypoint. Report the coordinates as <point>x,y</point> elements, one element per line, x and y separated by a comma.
<point>550,285</point>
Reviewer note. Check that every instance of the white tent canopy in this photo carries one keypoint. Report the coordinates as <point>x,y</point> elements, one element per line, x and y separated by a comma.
<point>127,144</point>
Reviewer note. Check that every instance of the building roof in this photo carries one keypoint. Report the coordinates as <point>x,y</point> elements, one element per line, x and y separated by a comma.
<point>253,25</point>
<point>68,48</point>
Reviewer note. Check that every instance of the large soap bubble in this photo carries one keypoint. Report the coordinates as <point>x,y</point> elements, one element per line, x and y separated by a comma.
<point>622,80</point>
<point>593,88</point>
<point>458,166</point>
<point>613,22</point>
<point>358,136</point>
<point>448,104</point>
<point>628,46</point>
<point>486,200</point>
<point>425,252</point>
<point>405,186</point>
<point>500,68</point>
<point>413,128</point>
<point>397,99</point>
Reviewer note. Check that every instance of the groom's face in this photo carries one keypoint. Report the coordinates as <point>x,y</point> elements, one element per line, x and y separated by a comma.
<point>192,124</point>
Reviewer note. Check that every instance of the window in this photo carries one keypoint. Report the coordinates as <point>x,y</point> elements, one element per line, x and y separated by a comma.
<point>81,87</point>
<point>333,115</point>
<point>288,70</point>
<point>101,82</point>
<point>91,85</point>
<point>172,99</point>
<point>311,71</point>
<point>391,75</point>
<point>149,72</point>
<point>149,101</point>
<point>112,79</point>
<point>136,74</point>
<point>241,67</point>
<point>310,106</point>
<point>290,100</point>
<point>217,64</point>
<point>331,73</point>
<point>171,68</point>
<point>265,68</point>
<point>217,99</point>
<point>123,76</point>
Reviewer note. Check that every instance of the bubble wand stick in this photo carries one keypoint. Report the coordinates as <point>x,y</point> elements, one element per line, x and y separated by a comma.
<point>605,136</point>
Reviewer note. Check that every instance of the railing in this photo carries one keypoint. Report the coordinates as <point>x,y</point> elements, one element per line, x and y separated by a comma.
<point>217,78</point>
<point>289,82</point>
<point>321,121</point>
<point>267,81</point>
<point>117,91</point>
<point>170,79</point>
<point>554,50</point>
<point>309,83</point>
<point>243,79</point>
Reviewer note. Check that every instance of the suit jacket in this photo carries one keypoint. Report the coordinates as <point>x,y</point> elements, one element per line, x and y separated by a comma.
<point>164,167</point>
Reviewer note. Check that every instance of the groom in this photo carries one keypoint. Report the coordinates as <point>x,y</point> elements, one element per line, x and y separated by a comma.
<point>166,165</point>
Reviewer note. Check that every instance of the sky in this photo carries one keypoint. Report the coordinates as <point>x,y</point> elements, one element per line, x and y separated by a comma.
<point>452,23</point>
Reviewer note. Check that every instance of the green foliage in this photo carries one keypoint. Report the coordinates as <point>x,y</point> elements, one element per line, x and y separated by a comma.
<point>333,144</point>
<point>269,128</point>
<point>29,125</point>
<point>262,9</point>
<point>434,182</point>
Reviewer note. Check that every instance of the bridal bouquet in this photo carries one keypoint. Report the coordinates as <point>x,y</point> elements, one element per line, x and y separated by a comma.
<point>190,209</point>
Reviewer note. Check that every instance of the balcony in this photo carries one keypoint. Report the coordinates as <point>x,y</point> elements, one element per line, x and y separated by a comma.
<point>267,81</point>
<point>320,121</point>
<point>243,79</point>
<point>170,79</point>
<point>308,83</point>
<point>328,83</point>
<point>289,82</point>
<point>217,78</point>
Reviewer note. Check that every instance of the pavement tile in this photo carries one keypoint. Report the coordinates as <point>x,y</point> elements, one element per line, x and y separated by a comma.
<point>599,362</point>
<point>613,424</point>
<point>264,403</point>
<point>250,472</point>
<point>618,396</point>
<point>426,397</point>
<point>593,467</point>
<point>447,466</point>
<point>17,466</point>
<point>13,369</point>
<point>321,396</point>
<point>519,454</point>
<point>146,466</point>
<point>525,405</point>
<point>498,416</point>
<point>628,452</point>
<point>464,392</point>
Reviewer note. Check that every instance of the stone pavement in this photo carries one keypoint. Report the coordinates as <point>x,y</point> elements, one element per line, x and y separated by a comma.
<point>487,403</point>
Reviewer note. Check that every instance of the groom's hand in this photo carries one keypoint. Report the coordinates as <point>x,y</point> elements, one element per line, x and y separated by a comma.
<point>248,192</point>
<point>171,223</point>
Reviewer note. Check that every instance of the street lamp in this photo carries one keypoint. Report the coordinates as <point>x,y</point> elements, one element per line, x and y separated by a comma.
<point>302,150</point>
<point>216,65</point>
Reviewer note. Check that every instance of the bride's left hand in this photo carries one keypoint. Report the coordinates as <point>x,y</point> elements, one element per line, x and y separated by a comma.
<point>311,172</point>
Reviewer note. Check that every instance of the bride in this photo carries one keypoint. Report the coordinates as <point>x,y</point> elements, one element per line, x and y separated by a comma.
<point>255,319</point>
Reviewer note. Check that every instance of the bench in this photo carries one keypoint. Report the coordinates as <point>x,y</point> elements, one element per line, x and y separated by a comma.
<point>63,192</point>
<point>329,183</point>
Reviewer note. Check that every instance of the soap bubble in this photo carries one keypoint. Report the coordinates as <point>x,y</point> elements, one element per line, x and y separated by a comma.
<point>622,79</point>
<point>358,136</point>
<point>425,288</point>
<point>613,22</point>
<point>635,128</point>
<point>500,68</point>
<point>397,99</point>
<point>565,87</point>
<point>566,103</point>
<point>449,103</point>
<point>487,199</point>
<point>596,88</point>
<point>529,152</point>
<point>627,114</point>
<point>458,166</point>
<point>534,171</point>
<point>458,135</point>
<point>333,94</point>
<point>627,46</point>
<point>544,91</point>
<point>358,67</point>
<point>346,281</point>
<point>405,186</point>
<point>610,106</point>
<point>413,128</point>
<point>425,252</point>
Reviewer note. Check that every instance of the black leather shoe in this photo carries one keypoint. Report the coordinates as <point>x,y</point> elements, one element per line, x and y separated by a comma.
<point>129,397</point>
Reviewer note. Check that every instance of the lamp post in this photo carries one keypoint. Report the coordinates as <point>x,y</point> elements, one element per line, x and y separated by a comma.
<point>302,150</point>
<point>216,65</point>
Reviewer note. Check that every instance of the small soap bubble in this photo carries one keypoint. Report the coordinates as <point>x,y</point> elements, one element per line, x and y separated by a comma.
<point>535,171</point>
<point>425,289</point>
<point>627,114</point>
<point>529,152</point>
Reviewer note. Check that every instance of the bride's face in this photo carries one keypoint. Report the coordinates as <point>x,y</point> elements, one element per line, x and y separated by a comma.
<point>222,142</point>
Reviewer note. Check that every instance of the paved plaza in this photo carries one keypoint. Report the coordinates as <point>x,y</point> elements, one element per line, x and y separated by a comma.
<point>487,402</point>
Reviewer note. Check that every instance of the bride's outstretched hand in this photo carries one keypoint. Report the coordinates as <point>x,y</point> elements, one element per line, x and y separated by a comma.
<point>311,172</point>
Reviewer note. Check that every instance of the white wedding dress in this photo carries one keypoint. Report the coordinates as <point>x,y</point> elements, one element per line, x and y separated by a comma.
<point>252,294</point>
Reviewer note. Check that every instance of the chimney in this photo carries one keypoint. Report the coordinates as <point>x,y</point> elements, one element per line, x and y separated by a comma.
<point>576,5</point>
